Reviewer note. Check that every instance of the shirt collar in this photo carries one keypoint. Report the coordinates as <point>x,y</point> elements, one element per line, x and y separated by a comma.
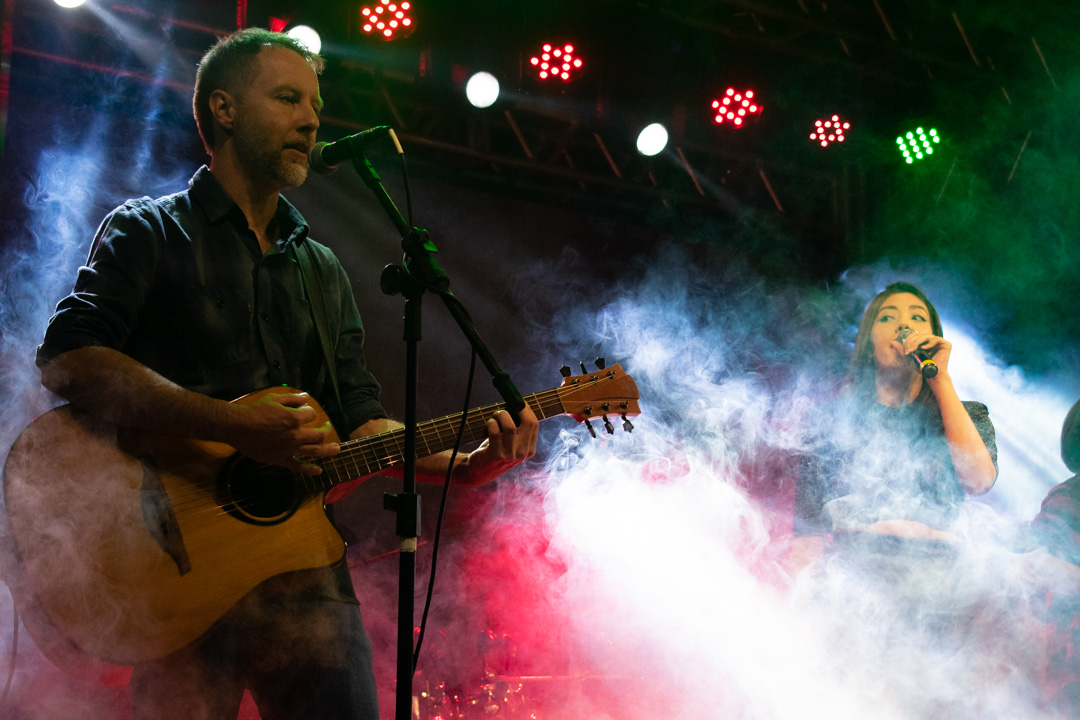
<point>216,203</point>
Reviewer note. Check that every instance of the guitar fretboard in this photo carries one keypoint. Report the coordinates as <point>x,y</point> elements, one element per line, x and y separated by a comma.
<point>374,453</point>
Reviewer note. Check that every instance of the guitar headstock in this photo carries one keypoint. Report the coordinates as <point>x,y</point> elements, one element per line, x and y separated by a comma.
<point>608,392</point>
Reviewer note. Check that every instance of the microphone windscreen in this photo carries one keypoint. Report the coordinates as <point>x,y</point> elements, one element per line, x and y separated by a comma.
<point>315,160</point>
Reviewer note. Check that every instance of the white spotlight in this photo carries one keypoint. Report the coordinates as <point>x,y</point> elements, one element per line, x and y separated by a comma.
<point>69,3</point>
<point>306,36</point>
<point>652,139</point>
<point>482,90</point>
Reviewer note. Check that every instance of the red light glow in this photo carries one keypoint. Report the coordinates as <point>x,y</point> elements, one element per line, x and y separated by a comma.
<point>387,19</point>
<point>556,62</point>
<point>830,130</point>
<point>736,107</point>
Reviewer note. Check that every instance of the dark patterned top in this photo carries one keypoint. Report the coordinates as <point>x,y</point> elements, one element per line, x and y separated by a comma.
<point>869,463</point>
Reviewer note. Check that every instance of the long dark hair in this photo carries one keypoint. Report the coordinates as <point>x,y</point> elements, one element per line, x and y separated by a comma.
<point>862,371</point>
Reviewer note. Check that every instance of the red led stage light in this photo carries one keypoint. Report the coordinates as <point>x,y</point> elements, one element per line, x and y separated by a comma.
<point>736,108</point>
<point>389,19</point>
<point>555,61</point>
<point>833,129</point>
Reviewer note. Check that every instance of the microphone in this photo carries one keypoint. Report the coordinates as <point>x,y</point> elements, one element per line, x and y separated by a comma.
<point>325,157</point>
<point>926,365</point>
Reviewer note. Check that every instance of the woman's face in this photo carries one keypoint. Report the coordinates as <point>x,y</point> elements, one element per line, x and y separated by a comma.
<point>902,310</point>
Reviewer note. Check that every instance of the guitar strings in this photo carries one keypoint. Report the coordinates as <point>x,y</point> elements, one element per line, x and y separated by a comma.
<point>546,404</point>
<point>374,461</point>
<point>543,403</point>
<point>312,485</point>
<point>196,495</point>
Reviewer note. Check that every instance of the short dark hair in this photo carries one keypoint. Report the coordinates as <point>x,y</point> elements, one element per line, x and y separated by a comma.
<point>230,66</point>
<point>1070,439</point>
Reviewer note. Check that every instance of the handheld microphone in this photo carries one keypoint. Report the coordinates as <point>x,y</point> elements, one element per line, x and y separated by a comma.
<point>325,157</point>
<point>926,365</point>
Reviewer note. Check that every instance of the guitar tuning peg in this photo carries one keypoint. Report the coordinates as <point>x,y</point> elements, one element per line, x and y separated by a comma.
<point>584,370</point>
<point>626,424</point>
<point>601,363</point>
<point>608,426</point>
<point>592,431</point>
<point>565,371</point>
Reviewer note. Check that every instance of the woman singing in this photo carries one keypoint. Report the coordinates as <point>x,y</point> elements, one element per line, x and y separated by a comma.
<point>897,453</point>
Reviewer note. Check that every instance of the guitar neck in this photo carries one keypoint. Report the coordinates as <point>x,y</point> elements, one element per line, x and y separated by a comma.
<point>374,453</point>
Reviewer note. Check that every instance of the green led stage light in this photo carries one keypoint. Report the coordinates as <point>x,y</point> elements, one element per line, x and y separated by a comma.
<point>917,144</point>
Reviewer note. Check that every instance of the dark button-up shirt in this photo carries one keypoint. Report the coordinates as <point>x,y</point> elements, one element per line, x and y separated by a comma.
<point>181,285</point>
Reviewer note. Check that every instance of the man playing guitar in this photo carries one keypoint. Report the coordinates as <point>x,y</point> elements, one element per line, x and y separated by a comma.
<point>194,299</point>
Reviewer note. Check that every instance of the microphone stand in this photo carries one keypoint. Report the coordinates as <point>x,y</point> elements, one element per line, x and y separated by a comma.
<point>419,272</point>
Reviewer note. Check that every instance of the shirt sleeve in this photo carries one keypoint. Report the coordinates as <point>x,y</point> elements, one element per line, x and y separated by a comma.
<point>980,415</point>
<point>1057,526</point>
<point>111,288</point>
<point>358,388</point>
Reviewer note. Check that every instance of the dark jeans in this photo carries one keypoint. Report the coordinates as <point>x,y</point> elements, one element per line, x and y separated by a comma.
<point>296,642</point>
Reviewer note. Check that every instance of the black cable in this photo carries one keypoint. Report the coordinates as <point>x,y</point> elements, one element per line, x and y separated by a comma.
<point>408,194</point>
<point>442,511</point>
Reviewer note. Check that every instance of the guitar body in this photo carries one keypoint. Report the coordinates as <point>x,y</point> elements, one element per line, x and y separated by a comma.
<point>134,546</point>
<point>130,546</point>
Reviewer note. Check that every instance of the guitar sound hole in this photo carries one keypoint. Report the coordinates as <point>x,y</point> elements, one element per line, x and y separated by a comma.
<point>260,494</point>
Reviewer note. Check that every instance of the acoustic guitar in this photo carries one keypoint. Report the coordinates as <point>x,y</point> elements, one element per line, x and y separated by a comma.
<point>134,544</point>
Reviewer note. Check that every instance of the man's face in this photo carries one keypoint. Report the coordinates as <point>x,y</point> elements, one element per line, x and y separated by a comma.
<point>277,116</point>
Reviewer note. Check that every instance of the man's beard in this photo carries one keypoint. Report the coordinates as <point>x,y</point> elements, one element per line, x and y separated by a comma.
<point>262,159</point>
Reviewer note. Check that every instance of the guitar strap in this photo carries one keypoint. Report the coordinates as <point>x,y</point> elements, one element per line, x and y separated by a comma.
<point>309,278</point>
